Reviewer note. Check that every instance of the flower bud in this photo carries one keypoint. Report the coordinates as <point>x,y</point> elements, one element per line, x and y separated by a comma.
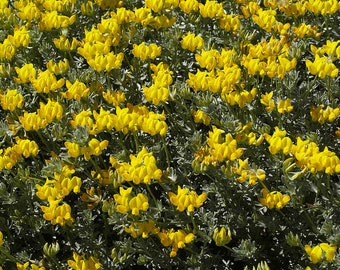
<point>52,249</point>
<point>293,239</point>
<point>298,175</point>
<point>222,237</point>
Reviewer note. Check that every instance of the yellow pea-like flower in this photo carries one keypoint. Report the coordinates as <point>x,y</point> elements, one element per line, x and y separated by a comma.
<point>11,100</point>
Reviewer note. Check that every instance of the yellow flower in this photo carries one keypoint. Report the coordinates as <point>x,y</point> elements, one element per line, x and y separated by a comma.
<point>156,93</point>
<point>192,42</point>
<point>284,106</point>
<point>268,101</point>
<point>82,119</point>
<point>145,52</point>
<point>274,199</point>
<point>1,238</point>
<point>176,239</point>
<point>51,111</point>
<point>142,168</point>
<point>26,147</point>
<point>76,90</point>
<point>323,251</point>
<point>11,100</point>
<point>64,44</point>
<point>142,229</point>
<point>32,121</point>
<point>320,115</point>
<point>52,19</point>
<point>322,67</point>
<point>201,117</point>
<point>188,6</point>
<point>57,214</point>
<point>25,74</point>
<point>122,200</point>
<point>32,266</point>
<point>94,147</point>
<point>58,68</point>
<point>230,22</point>
<point>27,11</point>
<point>20,38</point>
<point>73,149</point>
<point>138,203</point>
<point>186,199</point>
<point>322,7</point>
<point>7,50</point>
<point>211,9</point>
<point>155,5</point>
<point>47,82</point>
<point>79,263</point>
<point>208,59</point>
<point>114,97</point>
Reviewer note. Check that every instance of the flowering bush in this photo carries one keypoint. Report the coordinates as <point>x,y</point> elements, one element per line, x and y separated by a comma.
<point>169,134</point>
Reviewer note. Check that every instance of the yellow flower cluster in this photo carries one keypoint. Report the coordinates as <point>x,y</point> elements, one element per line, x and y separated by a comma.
<point>186,199</point>
<point>33,266</point>
<point>211,9</point>
<point>221,75</point>
<point>248,173</point>
<point>176,239</point>
<point>283,105</point>
<point>241,98</point>
<point>322,7</point>
<point>244,135</point>
<point>76,90</point>
<point>159,90</point>
<point>146,18</point>
<point>321,252</point>
<point>47,82</point>
<point>46,114</point>
<point>218,149</point>
<point>145,52</point>
<point>201,117</point>
<point>131,118</point>
<point>323,65</point>
<point>188,6</point>
<point>114,97</point>
<point>58,68</point>
<point>270,58</point>
<point>80,263</point>
<point>26,74</point>
<point>8,47</point>
<point>192,42</point>
<point>94,147</point>
<point>125,203</point>
<point>52,20</point>
<point>158,6</point>
<point>96,46</point>
<point>143,229</point>
<point>320,115</point>
<point>142,168</point>
<point>304,30</point>
<point>64,44</point>
<point>11,100</point>
<point>274,199</point>
<point>306,153</point>
<point>54,190</point>
<point>230,22</point>
<point>11,155</point>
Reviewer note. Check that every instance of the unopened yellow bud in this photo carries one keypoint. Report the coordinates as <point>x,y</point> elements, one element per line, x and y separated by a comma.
<point>222,236</point>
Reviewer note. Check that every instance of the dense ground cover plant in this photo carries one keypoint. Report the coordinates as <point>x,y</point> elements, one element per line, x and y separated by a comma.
<point>169,134</point>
